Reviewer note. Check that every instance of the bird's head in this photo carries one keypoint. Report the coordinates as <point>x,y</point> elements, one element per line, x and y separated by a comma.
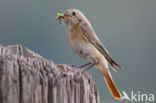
<point>71,17</point>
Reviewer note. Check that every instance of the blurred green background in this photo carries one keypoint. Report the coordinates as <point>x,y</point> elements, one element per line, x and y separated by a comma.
<point>127,28</point>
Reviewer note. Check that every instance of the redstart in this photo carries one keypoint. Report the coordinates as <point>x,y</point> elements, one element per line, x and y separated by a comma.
<point>86,44</point>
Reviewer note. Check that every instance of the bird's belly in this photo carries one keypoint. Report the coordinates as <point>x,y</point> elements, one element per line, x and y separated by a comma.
<point>85,50</point>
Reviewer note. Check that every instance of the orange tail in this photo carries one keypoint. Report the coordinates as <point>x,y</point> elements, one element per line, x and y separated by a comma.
<point>102,67</point>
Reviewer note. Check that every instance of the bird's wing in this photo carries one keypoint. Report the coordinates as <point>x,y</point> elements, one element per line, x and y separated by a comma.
<point>90,36</point>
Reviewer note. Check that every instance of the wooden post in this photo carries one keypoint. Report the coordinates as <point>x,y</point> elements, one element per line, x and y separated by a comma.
<point>29,78</point>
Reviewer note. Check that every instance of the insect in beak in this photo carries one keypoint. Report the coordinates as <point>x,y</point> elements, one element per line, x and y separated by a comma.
<point>60,17</point>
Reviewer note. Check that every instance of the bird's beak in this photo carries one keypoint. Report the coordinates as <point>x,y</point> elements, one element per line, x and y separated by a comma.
<point>63,15</point>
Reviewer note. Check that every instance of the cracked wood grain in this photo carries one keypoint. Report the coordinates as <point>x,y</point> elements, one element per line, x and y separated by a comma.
<point>29,78</point>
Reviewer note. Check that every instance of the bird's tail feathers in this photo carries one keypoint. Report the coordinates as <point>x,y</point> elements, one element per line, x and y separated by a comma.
<point>102,67</point>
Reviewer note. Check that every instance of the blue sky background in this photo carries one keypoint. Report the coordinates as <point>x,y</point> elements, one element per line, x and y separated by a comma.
<point>127,28</point>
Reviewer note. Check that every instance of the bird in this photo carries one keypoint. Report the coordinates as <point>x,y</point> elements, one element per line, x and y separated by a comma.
<point>84,41</point>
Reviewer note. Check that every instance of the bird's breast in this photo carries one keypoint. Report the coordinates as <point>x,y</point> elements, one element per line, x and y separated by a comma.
<point>82,47</point>
<point>74,37</point>
<point>76,42</point>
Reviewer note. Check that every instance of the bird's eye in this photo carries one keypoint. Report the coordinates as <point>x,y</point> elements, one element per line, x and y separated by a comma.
<point>73,13</point>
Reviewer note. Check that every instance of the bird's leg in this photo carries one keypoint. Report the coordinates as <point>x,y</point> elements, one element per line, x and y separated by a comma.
<point>81,65</point>
<point>84,65</point>
<point>89,67</point>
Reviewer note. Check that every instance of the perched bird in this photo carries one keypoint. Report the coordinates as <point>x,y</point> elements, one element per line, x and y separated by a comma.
<point>87,45</point>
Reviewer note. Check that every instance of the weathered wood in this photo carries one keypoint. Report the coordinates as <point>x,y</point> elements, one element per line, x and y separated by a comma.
<point>29,78</point>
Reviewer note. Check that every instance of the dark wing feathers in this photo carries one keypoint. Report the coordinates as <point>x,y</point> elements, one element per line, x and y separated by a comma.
<point>89,34</point>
